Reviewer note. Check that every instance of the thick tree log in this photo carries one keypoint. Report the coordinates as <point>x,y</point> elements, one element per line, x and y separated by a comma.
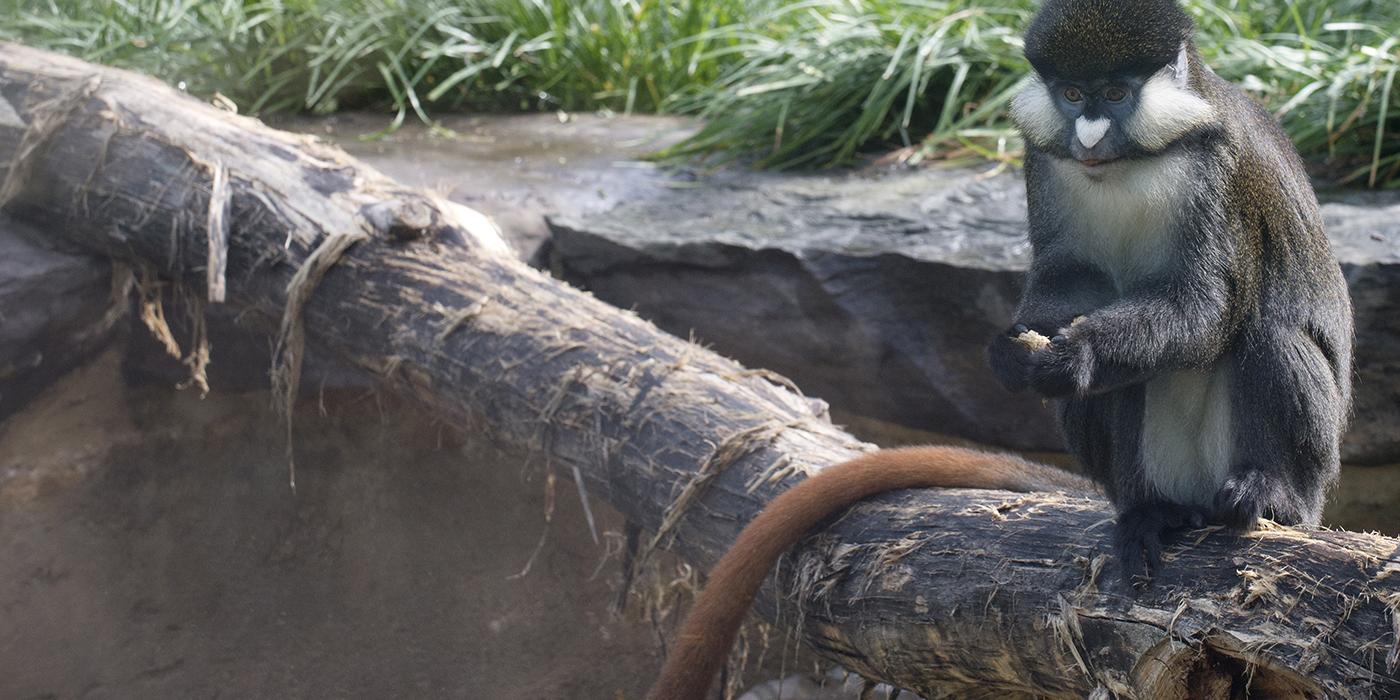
<point>933,591</point>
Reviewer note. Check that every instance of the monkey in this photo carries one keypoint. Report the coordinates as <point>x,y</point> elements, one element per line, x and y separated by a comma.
<point>1209,378</point>
<point>1200,330</point>
<point>703,642</point>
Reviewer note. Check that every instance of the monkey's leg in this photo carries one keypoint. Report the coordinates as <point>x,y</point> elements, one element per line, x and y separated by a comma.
<point>1142,531</point>
<point>1288,417</point>
<point>1086,423</point>
<point>1104,432</point>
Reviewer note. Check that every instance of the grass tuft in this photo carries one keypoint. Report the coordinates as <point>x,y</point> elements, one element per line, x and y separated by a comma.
<point>323,55</point>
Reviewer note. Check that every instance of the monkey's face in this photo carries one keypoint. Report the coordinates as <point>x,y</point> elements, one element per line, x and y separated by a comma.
<point>1096,111</point>
<point>1100,121</point>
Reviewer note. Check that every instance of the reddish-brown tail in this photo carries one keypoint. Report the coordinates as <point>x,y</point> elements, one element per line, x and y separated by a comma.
<point>705,637</point>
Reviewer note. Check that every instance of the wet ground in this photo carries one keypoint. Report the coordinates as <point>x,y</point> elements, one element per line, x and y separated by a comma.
<point>150,548</point>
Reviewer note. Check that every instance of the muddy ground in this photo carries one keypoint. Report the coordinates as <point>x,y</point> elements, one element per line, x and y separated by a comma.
<point>150,547</point>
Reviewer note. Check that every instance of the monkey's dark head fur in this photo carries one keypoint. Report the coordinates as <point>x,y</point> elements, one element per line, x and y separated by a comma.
<point>1078,39</point>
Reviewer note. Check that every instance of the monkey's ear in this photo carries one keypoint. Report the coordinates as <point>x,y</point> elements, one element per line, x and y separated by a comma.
<point>1182,68</point>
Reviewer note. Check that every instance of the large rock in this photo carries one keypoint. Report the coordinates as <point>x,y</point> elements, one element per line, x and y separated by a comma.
<point>878,291</point>
<point>54,312</point>
<point>1365,232</point>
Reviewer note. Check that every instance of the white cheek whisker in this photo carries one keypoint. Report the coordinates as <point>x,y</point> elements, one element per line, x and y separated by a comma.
<point>1035,113</point>
<point>1183,68</point>
<point>1167,109</point>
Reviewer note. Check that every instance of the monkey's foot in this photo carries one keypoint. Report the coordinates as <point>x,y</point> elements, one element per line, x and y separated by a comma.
<point>1142,532</point>
<point>1240,501</point>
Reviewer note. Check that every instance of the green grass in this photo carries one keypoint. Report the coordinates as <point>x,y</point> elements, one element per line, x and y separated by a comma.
<point>779,83</point>
<point>935,77</point>
<point>417,55</point>
<point>1327,69</point>
<point>842,75</point>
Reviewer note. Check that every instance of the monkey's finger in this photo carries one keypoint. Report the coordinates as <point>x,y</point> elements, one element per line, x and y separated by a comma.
<point>1050,377</point>
<point>1019,328</point>
<point>1152,543</point>
<point>1134,566</point>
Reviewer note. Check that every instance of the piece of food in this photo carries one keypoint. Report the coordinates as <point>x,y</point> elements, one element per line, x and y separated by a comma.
<point>1033,341</point>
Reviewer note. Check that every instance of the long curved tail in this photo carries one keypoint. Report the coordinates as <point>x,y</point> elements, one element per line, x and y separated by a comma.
<point>707,634</point>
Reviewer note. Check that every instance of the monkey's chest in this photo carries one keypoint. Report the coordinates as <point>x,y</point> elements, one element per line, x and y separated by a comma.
<point>1127,246</point>
<point>1126,223</point>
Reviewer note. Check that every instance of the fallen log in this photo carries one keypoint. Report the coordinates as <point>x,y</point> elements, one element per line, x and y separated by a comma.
<point>950,592</point>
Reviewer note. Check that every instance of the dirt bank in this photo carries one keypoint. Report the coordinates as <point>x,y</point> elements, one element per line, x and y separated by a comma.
<point>150,547</point>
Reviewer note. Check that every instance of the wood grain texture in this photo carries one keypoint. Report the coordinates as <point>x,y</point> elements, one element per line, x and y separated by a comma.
<point>959,593</point>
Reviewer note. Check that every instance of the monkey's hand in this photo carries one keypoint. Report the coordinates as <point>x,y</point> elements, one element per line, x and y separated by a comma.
<point>1010,357</point>
<point>1063,367</point>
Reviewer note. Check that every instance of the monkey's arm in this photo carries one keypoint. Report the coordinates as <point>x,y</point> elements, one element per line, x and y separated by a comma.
<point>1060,287</point>
<point>1176,318</point>
<point>1176,321</point>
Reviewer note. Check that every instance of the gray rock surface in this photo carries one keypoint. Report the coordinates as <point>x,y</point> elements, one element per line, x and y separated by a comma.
<point>514,168</point>
<point>1365,232</point>
<point>878,291</point>
<point>53,312</point>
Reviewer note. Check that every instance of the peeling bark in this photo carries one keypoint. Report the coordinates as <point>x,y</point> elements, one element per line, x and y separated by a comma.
<point>946,593</point>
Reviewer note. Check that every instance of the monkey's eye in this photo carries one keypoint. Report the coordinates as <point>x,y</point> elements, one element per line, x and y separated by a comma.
<point>1115,94</point>
<point>1074,95</point>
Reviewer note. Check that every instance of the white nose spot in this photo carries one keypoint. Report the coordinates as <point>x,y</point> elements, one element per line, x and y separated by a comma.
<point>1090,132</point>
